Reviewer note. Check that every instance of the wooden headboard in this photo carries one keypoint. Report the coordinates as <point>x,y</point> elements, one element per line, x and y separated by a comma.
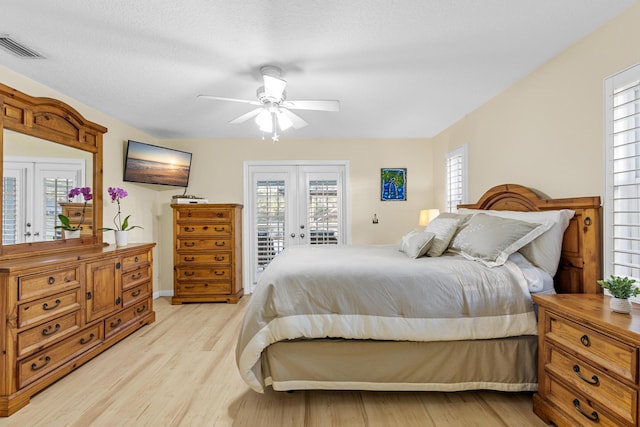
<point>581,260</point>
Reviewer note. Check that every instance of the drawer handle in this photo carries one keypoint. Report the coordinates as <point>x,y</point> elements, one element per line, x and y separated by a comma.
<point>189,214</point>
<point>141,309</point>
<point>189,273</point>
<point>219,273</point>
<point>593,416</point>
<point>51,280</point>
<point>189,286</point>
<point>585,341</point>
<point>189,229</point>
<point>45,306</point>
<point>83,341</point>
<point>136,292</point>
<point>220,243</point>
<point>593,381</point>
<point>136,276</point>
<point>219,258</point>
<point>189,259</point>
<point>48,331</point>
<point>115,324</point>
<point>35,367</point>
<point>77,214</point>
<point>189,244</point>
<point>219,214</point>
<point>218,228</point>
<point>136,259</point>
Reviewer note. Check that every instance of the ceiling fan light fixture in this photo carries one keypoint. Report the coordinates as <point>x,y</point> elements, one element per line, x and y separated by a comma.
<point>284,122</point>
<point>264,121</point>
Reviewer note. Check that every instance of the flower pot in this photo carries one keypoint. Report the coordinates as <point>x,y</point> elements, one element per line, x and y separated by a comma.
<point>122,238</point>
<point>71,234</point>
<point>620,305</point>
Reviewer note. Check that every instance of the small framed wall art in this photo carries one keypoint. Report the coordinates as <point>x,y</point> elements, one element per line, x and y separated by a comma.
<point>393,184</point>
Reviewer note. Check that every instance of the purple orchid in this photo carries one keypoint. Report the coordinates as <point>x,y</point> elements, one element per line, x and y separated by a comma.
<point>117,194</point>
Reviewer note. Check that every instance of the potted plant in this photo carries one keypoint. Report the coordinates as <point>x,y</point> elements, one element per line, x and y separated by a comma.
<point>122,227</point>
<point>621,289</point>
<point>71,230</point>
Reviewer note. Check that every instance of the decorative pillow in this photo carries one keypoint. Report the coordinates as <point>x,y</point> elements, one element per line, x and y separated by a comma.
<point>491,239</point>
<point>543,252</point>
<point>416,243</point>
<point>444,227</point>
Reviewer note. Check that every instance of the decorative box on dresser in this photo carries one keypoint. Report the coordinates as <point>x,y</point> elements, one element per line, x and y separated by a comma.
<point>63,309</point>
<point>207,253</point>
<point>587,362</point>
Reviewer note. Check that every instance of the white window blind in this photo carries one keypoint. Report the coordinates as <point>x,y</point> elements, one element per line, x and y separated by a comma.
<point>322,208</point>
<point>622,194</point>
<point>456,169</point>
<point>10,210</point>
<point>270,217</point>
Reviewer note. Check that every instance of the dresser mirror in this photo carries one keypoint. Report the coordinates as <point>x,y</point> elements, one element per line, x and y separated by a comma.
<point>37,176</point>
<point>48,148</point>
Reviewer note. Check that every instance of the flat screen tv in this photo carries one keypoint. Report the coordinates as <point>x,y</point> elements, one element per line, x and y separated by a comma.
<point>150,164</point>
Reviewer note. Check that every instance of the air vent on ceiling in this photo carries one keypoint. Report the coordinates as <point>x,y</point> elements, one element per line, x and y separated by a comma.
<point>18,49</point>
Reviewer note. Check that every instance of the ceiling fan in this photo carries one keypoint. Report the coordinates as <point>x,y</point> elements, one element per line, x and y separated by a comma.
<point>274,109</point>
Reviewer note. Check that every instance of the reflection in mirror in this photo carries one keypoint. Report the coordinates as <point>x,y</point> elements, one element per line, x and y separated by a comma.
<point>38,175</point>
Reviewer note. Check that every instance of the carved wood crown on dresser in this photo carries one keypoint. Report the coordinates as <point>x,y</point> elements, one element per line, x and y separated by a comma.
<point>588,362</point>
<point>207,254</point>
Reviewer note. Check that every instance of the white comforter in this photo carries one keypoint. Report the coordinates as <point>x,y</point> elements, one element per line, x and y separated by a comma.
<point>377,292</point>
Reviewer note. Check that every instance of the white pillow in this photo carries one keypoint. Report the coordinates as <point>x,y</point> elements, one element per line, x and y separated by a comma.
<point>491,239</point>
<point>538,280</point>
<point>544,251</point>
<point>416,243</point>
<point>444,227</point>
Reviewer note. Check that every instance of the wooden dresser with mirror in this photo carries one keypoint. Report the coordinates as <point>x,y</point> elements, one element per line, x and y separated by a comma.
<point>63,300</point>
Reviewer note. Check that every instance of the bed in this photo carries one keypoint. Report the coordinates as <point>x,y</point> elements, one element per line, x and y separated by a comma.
<point>447,315</point>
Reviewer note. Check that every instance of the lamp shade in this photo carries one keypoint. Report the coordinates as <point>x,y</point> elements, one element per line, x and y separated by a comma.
<point>264,121</point>
<point>427,215</point>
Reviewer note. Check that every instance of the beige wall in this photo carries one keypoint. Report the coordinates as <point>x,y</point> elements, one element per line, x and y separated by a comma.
<point>217,175</point>
<point>546,131</point>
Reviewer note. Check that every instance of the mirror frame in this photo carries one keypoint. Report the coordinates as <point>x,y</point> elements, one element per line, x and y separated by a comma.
<point>58,122</point>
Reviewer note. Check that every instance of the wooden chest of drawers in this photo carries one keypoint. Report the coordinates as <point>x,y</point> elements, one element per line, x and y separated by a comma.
<point>207,253</point>
<point>79,213</point>
<point>588,362</point>
<point>63,309</point>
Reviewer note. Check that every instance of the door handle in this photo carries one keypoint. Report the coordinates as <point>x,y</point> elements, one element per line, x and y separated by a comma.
<point>293,234</point>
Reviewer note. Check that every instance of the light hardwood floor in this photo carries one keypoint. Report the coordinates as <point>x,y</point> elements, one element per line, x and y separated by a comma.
<point>180,371</point>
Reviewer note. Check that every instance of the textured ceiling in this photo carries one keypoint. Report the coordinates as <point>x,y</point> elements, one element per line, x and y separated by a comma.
<point>401,68</point>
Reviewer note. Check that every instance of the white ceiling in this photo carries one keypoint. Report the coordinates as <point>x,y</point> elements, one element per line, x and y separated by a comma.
<point>401,68</point>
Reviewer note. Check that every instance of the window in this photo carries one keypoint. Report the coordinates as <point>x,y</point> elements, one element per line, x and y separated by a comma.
<point>622,191</point>
<point>456,180</point>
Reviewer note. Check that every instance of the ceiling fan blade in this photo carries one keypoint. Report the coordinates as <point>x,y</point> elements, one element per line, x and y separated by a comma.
<point>221,98</point>
<point>296,121</point>
<point>246,116</point>
<point>274,87</point>
<point>313,104</point>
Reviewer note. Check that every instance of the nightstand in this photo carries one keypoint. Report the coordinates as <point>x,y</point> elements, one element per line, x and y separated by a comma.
<point>587,361</point>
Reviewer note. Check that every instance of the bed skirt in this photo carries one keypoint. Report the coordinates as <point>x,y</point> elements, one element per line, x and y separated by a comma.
<point>505,364</point>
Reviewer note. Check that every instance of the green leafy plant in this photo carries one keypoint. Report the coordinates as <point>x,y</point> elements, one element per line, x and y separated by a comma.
<point>620,287</point>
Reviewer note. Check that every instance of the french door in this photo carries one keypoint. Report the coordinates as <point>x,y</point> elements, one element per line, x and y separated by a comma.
<point>33,189</point>
<point>292,203</point>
